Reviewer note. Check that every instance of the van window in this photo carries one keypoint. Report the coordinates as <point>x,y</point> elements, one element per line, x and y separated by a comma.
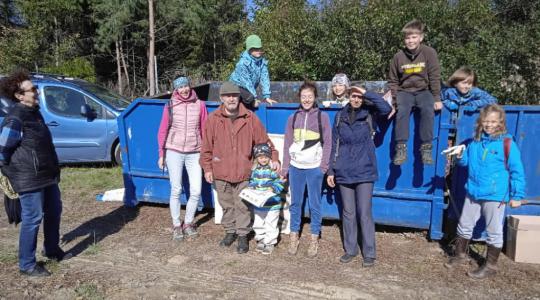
<point>67,102</point>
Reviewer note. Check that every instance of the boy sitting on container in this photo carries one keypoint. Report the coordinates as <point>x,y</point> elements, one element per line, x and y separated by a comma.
<point>414,80</point>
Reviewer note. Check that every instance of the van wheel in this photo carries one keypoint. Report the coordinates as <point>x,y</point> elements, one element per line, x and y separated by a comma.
<point>117,155</point>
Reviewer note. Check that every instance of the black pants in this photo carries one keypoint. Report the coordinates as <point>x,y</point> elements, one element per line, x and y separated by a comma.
<point>247,98</point>
<point>423,101</point>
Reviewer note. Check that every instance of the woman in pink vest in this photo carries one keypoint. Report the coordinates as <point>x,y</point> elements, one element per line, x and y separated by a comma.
<point>179,140</point>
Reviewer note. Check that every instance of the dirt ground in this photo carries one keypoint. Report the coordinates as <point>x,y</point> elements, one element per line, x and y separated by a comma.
<point>123,253</point>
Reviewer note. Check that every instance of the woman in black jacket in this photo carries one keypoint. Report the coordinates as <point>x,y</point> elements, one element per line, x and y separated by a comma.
<point>353,166</point>
<point>29,161</point>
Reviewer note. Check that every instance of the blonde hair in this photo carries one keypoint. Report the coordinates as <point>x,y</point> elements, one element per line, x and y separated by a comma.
<point>483,114</point>
<point>413,27</point>
<point>462,74</point>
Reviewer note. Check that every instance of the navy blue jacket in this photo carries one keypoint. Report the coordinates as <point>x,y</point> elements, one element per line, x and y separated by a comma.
<point>351,139</point>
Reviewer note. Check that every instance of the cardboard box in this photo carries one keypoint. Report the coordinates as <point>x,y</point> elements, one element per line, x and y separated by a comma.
<point>523,239</point>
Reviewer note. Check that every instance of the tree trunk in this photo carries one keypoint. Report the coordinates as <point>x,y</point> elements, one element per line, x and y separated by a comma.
<point>151,40</point>
<point>118,67</point>
<point>123,60</point>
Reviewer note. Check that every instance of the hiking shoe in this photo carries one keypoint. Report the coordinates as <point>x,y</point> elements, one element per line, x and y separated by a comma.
<point>401,154</point>
<point>313,246</point>
<point>228,239</point>
<point>260,247</point>
<point>178,233</point>
<point>190,230</point>
<point>425,151</point>
<point>268,249</point>
<point>243,245</point>
<point>293,243</point>
<point>368,262</point>
<point>59,256</point>
<point>37,271</point>
<point>346,258</point>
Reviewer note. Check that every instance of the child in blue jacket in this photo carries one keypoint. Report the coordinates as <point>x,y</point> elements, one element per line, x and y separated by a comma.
<point>252,70</point>
<point>265,223</point>
<point>462,91</point>
<point>494,179</point>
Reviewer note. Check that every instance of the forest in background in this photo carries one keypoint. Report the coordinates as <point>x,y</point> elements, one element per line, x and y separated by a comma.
<point>110,41</point>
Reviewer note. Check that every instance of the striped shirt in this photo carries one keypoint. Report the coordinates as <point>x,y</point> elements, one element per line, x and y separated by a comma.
<point>10,138</point>
<point>264,178</point>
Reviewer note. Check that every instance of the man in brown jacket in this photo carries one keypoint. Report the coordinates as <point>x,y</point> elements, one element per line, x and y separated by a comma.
<point>230,133</point>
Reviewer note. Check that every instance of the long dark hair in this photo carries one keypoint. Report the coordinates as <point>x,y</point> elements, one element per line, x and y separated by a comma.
<point>11,85</point>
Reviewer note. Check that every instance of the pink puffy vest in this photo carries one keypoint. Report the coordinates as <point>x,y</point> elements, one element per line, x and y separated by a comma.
<point>185,132</point>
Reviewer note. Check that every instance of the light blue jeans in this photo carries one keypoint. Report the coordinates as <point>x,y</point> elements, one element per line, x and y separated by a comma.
<point>175,165</point>
<point>493,213</point>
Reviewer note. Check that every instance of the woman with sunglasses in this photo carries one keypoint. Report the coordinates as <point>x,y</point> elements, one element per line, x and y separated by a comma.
<point>353,166</point>
<point>28,159</point>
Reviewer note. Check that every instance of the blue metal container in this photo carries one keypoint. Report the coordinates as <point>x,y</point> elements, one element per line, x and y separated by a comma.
<point>410,195</point>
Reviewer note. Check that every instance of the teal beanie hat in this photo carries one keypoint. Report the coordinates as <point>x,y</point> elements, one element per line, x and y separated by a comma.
<point>253,41</point>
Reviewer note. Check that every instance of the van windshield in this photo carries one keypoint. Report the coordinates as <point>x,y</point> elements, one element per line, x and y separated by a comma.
<point>115,100</point>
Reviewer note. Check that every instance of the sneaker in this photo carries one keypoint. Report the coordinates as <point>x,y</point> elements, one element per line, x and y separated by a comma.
<point>425,151</point>
<point>368,262</point>
<point>178,233</point>
<point>228,239</point>
<point>260,247</point>
<point>401,154</point>
<point>190,230</point>
<point>346,258</point>
<point>37,271</point>
<point>243,245</point>
<point>268,249</point>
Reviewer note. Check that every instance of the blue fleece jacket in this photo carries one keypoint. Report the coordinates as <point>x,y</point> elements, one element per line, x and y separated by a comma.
<point>250,72</point>
<point>475,98</point>
<point>488,178</point>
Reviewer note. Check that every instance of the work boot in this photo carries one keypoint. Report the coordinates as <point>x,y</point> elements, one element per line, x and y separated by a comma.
<point>401,154</point>
<point>229,238</point>
<point>313,246</point>
<point>460,256</point>
<point>425,151</point>
<point>489,267</point>
<point>293,243</point>
<point>243,245</point>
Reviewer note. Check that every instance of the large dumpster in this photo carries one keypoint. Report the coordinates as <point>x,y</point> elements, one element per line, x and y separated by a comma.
<point>410,195</point>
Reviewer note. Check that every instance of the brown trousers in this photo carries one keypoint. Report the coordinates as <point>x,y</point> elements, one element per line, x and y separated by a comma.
<point>236,212</point>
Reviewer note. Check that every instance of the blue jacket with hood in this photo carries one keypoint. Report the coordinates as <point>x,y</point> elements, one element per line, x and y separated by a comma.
<point>488,178</point>
<point>250,72</point>
<point>355,160</point>
<point>475,98</point>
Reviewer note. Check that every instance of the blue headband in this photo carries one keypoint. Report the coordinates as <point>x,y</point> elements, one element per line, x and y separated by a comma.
<point>180,82</point>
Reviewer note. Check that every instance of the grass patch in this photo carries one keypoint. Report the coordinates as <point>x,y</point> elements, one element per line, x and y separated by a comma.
<point>93,249</point>
<point>8,256</point>
<point>88,291</point>
<point>52,265</point>
<point>91,179</point>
